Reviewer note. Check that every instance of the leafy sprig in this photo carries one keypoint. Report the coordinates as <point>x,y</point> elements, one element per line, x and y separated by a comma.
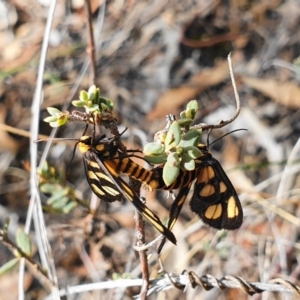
<point>176,146</point>
<point>95,106</point>
<point>62,195</point>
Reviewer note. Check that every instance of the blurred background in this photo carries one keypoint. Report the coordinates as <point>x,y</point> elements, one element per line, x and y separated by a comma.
<point>152,57</point>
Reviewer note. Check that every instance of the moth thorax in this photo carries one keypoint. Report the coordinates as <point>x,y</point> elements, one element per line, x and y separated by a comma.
<point>203,149</point>
<point>83,147</point>
<point>84,143</point>
<point>87,140</point>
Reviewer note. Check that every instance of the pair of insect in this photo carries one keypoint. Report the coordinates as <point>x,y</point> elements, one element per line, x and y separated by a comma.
<point>214,198</point>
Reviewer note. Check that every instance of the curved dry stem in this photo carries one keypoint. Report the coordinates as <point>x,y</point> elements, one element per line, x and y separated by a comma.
<point>223,123</point>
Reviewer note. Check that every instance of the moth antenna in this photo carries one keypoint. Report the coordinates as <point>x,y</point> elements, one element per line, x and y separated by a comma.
<point>85,130</point>
<point>241,129</point>
<point>56,139</point>
<point>73,153</point>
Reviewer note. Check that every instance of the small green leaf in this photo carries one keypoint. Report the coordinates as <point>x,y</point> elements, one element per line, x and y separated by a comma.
<point>191,109</point>
<point>173,136</point>
<point>191,152</point>
<point>156,159</point>
<point>188,165</point>
<point>185,122</point>
<point>50,119</point>
<point>93,108</point>
<point>48,188</point>
<point>57,196</point>
<point>154,149</point>
<point>9,265</point>
<point>193,104</point>
<point>173,159</point>
<point>59,203</point>
<point>191,138</point>
<point>23,242</point>
<point>83,96</point>
<point>179,150</point>
<point>110,104</point>
<point>103,106</point>
<point>91,90</point>
<point>92,97</point>
<point>170,173</point>
<point>79,103</point>
<point>103,100</point>
<point>45,169</point>
<point>97,94</point>
<point>69,207</point>
<point>62,120</point>
<point>190,114</point>
<point>54,124</point>
<point>183,115</point>
<point>53,111</point>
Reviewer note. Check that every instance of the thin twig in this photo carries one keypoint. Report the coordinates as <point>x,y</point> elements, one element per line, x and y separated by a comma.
<point>140,231</point>
<point>35,208</point>
<point>149,245</point>
<point>91,42</point>
<point>223,123</point>
<point>19,131</point>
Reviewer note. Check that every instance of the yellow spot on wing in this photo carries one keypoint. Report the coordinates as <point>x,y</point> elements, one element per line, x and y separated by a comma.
<point>92,175</point>
<point>104,176</point>
<point>182,200</point>
<point>202,177</point>
<point>232,209</point>
<point>210,172</point>
<point>223,187</point>
<point>206,174</point>
<point>172,224</point>
<point>207,190</point>
<point>151,218</point>
<point>214,211</point>
<point>110,190</point>
<point>93,164</point>
<point>128,191</point>
<point>97,190</point>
